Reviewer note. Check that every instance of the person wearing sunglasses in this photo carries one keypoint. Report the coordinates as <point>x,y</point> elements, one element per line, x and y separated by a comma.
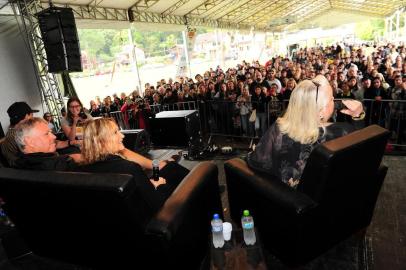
<point>285,147</point>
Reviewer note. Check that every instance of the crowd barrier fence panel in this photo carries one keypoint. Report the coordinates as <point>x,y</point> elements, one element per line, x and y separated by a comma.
<point>119,117</point>
<point>231,119</point>
<point>390,114</point>
<point>127,120</point>
<point>222,118</point>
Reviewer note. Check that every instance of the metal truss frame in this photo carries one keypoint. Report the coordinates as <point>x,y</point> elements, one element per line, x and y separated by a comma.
<point>115,14</point>
<point>378,10</point>
<point>245,10</point>
<point>377,7</point>
<point>313,7</point>
<point>315,13</point>
<point>368,13</point>
<point>48,85</point>
<point>174,7</point>
<point>224,8</point>
<point>150,17</point>
<point>275,7</point>
<point>95,12</point>
<point>142,5</point>
<point>294,9</point>
<point>241,15</point>
<point>204,7</point>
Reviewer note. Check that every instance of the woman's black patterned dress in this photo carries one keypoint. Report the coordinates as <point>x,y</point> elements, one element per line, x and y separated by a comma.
<point>280,156</point>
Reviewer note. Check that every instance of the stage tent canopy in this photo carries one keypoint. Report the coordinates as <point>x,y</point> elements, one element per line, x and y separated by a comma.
<point>260,15</point>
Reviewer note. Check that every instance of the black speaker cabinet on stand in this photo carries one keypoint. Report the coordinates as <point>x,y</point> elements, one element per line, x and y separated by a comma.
<point>175,128</point>
<point>137,140</point>
<point>60,37</point>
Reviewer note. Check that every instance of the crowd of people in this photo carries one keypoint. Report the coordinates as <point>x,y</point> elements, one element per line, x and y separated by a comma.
<point>369,74</point>
<point>292,105</point>
<point>309,83</point>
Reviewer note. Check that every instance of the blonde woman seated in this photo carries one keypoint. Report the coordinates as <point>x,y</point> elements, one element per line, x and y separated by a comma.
<point>103,151</point>
<point>284,149</point>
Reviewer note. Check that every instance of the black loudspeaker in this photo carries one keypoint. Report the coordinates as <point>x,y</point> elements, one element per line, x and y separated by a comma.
<point>136,140</point>
<point>61,42</point>
<point>176,128</point>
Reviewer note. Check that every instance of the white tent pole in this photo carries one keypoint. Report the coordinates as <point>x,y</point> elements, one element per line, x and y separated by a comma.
<point>186,53</point>
<point>134,55</point>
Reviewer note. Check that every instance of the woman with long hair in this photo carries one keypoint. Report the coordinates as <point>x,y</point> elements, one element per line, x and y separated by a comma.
<point>103,151</point>
<point>73,122</point>
<point>284,149</point>
<point>244,106</point>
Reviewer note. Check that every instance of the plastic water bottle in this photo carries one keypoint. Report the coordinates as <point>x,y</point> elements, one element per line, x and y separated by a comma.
<point>217,231</point>
<point>247,223</point>
<point>155,170</point>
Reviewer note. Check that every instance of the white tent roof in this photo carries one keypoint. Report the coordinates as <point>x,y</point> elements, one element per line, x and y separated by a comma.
<point>263,15</point>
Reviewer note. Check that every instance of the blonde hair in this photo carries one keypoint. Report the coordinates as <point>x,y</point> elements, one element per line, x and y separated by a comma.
<point>301,120</point>
<point>97,140</point>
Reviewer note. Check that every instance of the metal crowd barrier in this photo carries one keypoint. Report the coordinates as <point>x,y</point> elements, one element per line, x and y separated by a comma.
<point>232,119</point>
<point>390,114</point>
<point>226,118</point>
<point>127,120</point>
<point>118,116</point>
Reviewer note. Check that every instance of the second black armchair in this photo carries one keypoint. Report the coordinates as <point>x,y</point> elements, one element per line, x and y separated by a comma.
<point>336,197</point>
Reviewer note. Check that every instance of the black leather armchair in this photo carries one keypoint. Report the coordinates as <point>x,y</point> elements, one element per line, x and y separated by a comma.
<point>99,220</point>
<point>336,198</point>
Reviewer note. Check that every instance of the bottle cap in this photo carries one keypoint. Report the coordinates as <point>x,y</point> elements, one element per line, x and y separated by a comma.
<point>246,213</point>
<point>216,216</point>
<point>155,162</point>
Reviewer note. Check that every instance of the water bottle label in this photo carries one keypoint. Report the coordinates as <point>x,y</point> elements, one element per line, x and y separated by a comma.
<point>248,225</point>
<point>216,229</point>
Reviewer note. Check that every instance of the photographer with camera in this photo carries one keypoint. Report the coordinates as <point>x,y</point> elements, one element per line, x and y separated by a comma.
<point>74,120</point>
<point>136,113</point>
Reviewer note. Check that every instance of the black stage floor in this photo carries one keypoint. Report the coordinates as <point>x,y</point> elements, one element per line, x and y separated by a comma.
<point>382,248</point>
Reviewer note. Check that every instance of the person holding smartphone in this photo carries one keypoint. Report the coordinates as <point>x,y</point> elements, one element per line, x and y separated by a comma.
<point>72,124</point>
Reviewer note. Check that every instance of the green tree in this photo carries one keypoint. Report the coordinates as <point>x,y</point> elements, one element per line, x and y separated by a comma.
<point>108,41</point>
<point>118,41</point>
<point>169,42</point>
<point>104,44</point>
<point>369,30</point>
<point>91,41</point>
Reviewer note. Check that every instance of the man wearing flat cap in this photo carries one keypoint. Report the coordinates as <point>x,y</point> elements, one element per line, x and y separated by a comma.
<point>17,112</point>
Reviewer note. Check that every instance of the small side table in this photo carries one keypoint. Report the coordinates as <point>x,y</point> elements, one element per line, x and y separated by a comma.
<point>236,255</point>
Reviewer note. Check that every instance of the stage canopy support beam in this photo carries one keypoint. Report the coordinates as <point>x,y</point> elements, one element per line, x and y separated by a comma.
<point>393,28</point>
